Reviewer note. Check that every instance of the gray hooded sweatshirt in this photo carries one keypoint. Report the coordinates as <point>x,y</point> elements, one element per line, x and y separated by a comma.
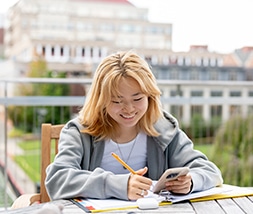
<point>75,171</point>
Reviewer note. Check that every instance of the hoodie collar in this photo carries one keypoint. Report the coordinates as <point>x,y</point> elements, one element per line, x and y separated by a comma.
<point>167,126</point>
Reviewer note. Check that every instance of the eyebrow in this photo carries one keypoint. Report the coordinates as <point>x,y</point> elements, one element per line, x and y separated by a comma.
<point>133,95</point>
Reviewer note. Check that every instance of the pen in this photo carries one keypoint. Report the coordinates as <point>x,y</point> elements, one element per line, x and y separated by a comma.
<point>123,163</point>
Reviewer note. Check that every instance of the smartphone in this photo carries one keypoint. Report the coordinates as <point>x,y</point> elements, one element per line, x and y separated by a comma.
<point>168,175</point>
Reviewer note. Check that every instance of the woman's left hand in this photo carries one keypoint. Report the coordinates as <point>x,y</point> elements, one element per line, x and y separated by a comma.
<point>181,185</point>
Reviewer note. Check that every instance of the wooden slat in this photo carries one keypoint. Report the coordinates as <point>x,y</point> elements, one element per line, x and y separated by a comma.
<point>56,146</point>
<point>56,129</point>
<point>229,206</point>
<point>207,207</point>
<point>45,158</point>
<point>245,203</point>
<point>49,134</point>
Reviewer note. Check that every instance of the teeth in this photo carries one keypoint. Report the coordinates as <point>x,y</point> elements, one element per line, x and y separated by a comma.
<point>127,116</point>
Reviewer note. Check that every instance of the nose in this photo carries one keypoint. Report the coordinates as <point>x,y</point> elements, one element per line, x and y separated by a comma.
<point>128,106</point>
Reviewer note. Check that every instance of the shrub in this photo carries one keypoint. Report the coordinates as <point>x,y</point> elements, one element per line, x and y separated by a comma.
<point>233,146</point>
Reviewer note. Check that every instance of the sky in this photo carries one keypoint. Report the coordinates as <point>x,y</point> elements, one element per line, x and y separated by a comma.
<point>223,25</point>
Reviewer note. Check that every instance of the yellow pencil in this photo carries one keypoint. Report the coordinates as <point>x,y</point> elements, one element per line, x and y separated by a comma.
<point>123,163</point>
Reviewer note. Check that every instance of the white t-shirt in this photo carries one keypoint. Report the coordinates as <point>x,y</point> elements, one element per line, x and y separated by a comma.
<point>137,158</point>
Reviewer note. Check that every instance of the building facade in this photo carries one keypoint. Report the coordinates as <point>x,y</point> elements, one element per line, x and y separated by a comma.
<point>209,99</point>
<point>74,35</point>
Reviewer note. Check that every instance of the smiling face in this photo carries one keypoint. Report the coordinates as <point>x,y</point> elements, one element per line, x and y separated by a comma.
<point>130,105</point>
<point>123,99</point>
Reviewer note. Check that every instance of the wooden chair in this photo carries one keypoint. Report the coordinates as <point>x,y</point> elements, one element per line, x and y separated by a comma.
<point>49,134</point>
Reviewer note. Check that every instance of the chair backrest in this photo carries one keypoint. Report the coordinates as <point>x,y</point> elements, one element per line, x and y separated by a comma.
<point>49,134</point>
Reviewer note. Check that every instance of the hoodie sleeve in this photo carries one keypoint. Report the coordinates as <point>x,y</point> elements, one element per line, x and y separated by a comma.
<point>205,174</point>
<point>179,151</point>
<point>69,175</point>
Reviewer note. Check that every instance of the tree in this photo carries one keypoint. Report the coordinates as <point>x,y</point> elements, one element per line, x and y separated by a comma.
<point>29,118</point>
<point>233,146</point>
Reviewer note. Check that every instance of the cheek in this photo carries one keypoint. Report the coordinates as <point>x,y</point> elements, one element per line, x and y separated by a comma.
<point>112,109</point>
<point>145,104</point>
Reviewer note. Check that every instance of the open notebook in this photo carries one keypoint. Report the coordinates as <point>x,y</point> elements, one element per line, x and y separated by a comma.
<point>224,191</point>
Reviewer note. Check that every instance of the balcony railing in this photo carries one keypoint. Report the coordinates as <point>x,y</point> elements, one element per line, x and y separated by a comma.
<point>182,98</point>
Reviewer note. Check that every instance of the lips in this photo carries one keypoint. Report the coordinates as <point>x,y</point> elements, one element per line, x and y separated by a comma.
<point>128,116</point>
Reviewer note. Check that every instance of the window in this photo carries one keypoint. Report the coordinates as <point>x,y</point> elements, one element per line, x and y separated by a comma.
<point>194,75</point>
<point>188,61</point>
<point>216,93</point>
<point>165,61</point>
<point>127,28</point>
<point>107,27</point>
<point>154,30</point>
<point>235,93</point>
<point>196,110</point>
<point>154,60</point>
<point>235,110</point>
<point>213,75</point>
<point>198,62</point>
<point>174,74</point>
<point>220,62</point>
<point>213,62</point>
<point>205,61</point>
<point>177,111</point>
<point>175,93</point>
<point>181,61</point>
<point>196,93</point>
<point>232,75</point>
<point>216,111</point>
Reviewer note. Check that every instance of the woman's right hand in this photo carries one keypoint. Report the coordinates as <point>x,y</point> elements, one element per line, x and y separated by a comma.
<point>138,185</point>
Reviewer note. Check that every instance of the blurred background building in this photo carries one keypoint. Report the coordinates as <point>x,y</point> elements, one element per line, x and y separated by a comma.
<point>74,35</point>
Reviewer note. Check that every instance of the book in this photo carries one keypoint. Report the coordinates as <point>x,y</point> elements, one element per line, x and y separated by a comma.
<point>103,205</point>
<point>229,192</point>
<point>225,191</point>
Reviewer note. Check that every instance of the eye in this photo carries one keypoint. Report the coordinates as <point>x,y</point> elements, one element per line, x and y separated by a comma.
<point>138,99</point>
<point>116,102</point>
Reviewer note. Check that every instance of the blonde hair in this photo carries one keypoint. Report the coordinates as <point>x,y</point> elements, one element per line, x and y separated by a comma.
<point>107,78</point>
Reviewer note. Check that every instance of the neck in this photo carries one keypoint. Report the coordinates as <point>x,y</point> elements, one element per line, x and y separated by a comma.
<point>126,135</point>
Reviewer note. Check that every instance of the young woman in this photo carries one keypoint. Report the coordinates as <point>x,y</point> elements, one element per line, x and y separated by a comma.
<point>122,114</point>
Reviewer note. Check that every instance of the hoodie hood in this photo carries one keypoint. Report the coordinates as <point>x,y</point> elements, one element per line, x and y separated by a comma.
<point>168,125</point>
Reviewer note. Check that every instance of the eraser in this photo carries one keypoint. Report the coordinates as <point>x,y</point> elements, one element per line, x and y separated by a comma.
<point>147,203</point>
